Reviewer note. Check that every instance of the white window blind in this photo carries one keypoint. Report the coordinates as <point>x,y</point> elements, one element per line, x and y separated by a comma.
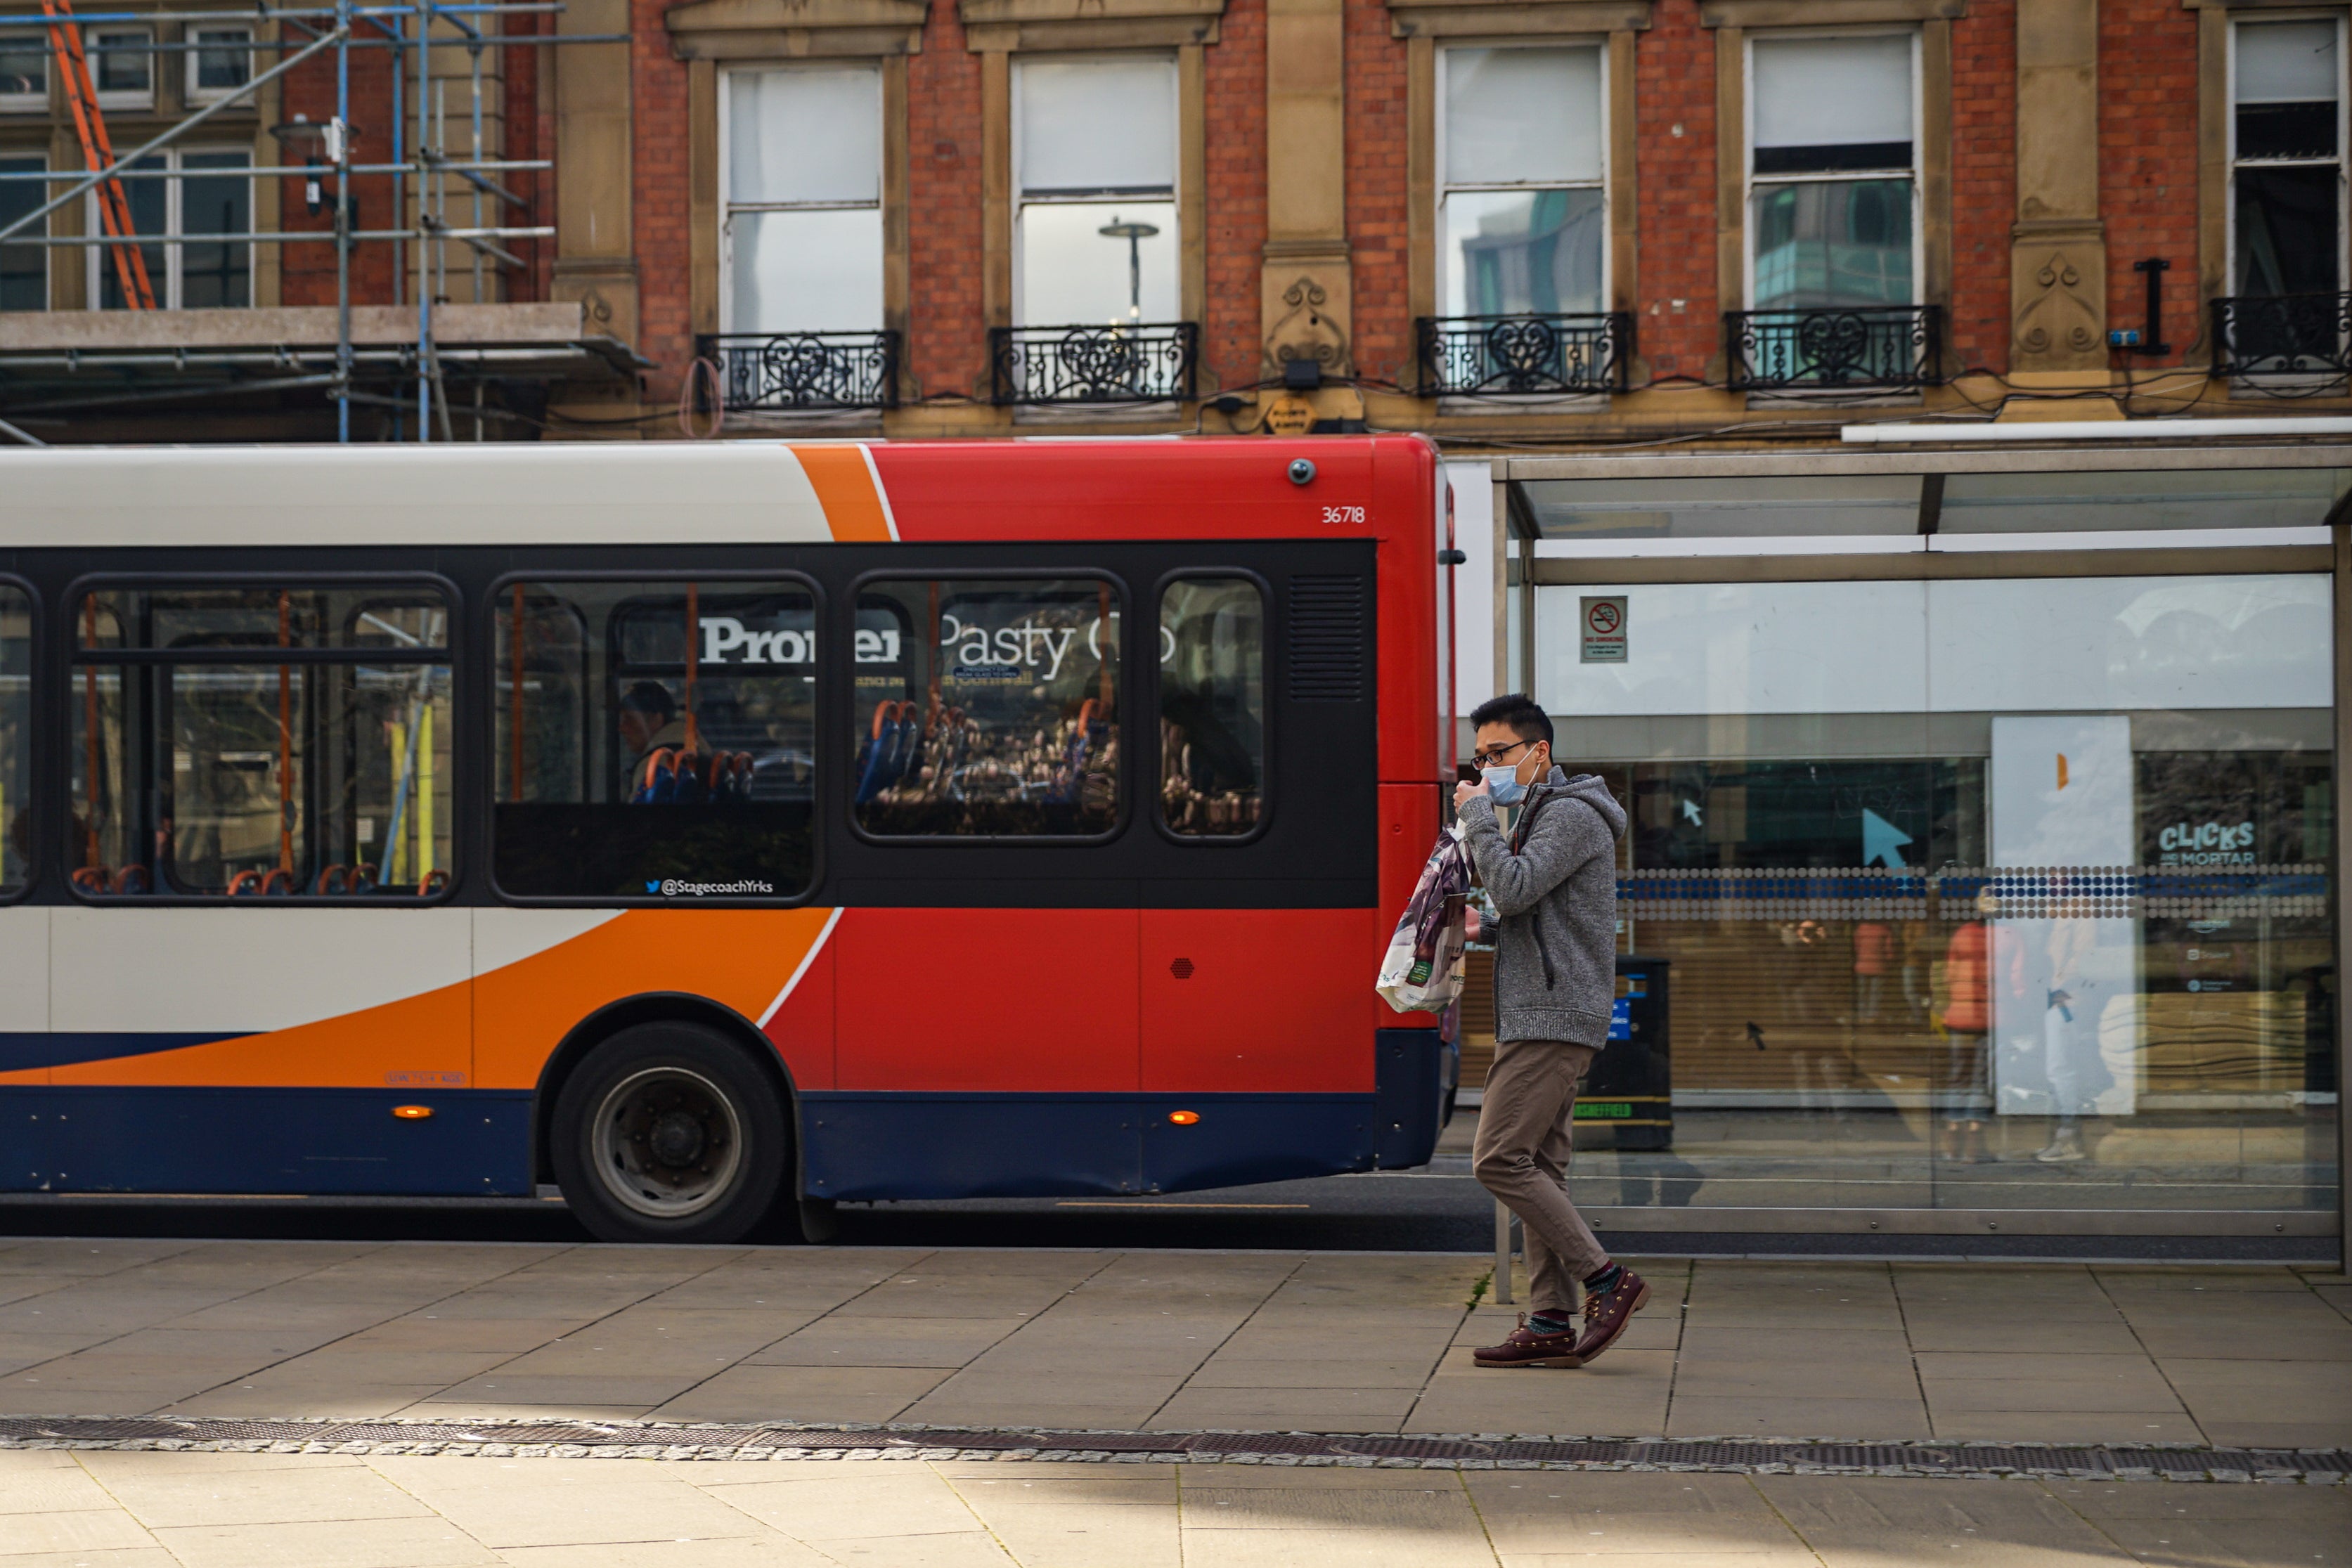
<point>1096,127</point>
<point>1831,92</point>
<point>1522,117</point>
<point>803,238</point>
<point>1095,148</point>
<point>2286,62</point>
<point>803,136</point>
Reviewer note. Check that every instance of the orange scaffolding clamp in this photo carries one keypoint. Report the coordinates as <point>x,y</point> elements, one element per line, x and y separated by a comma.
<point>98,153</point>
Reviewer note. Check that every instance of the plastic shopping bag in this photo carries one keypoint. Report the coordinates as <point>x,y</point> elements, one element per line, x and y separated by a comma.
<point>1421,971</point>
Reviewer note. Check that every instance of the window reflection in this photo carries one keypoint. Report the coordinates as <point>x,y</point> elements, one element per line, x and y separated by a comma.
<point>203,766</point>
<point>654,739</point>
<point>986,707</point>
<point>1212,706</point>
<point>16,737</point>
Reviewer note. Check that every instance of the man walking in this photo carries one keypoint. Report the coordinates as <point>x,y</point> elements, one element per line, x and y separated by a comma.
<point>1554,882</point>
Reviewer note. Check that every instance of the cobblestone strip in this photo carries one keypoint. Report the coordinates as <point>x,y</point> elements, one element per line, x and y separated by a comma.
<point>851,1443</point>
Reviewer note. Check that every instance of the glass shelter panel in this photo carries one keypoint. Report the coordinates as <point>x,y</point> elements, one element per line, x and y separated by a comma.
<point>1212,706</point>
<point>654,740</point>
<point>987,707</point>
<point>261,741</point>
<point>1985,895</point>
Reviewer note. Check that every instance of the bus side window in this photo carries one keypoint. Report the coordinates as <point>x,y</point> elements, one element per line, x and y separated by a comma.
<point>654,739</point>
<point>986,707</point>
<point>1212,706</point>
<point>264,740</point>
<point>16,738</point>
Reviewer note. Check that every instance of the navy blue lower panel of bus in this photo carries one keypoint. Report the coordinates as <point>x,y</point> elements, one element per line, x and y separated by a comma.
<point>939,1146</point>
<point>343,1142</point>
<point>263,1140</point>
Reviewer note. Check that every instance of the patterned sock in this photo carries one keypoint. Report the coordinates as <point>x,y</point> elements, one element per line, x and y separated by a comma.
<point>1549,1321</point>
<point>1603,1283</point>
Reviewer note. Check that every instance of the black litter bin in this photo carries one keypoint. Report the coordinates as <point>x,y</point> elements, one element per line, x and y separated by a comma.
<point>1630,1090</point>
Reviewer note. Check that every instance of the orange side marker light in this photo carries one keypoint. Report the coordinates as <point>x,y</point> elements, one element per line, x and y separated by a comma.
<point>412,1112</point>
<point>1183,1118</point>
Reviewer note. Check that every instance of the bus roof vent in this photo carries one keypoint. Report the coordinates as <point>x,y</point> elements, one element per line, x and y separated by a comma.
<point>1326,639</point>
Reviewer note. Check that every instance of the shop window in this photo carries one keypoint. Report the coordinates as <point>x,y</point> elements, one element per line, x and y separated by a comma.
<point>23,69</point>
<point>1833,182</point>
<point>122,65</point>
<point>24,268</point>
<point>1095,147</point>
<point>200,192</point>
<point>986,709</point>
<point>1522,210</point>
<point>654,740</point>
<point>16,738</point>
<point>221,62</point>
<point>1212,706</point>
<point>803,246</point>
<point>263,741</point>
<point>2287,227</point>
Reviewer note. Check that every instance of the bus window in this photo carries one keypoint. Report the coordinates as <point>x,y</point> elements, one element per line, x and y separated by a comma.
<point>987,707</point>
<point>260,741</point>
<point>654,740</point>
<point>1212,706</point>
<point>16,737</point>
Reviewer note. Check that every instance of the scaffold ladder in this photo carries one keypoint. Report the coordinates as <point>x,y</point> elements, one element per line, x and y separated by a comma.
<point>98,153</point>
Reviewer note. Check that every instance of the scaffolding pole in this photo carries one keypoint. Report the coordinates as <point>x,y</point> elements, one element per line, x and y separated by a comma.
<point>419,166</point>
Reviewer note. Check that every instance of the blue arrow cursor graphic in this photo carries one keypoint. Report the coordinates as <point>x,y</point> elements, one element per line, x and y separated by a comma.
<point>1881,840</point>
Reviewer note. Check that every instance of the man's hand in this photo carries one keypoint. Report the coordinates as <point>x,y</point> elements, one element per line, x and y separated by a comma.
<point>1463,793</point>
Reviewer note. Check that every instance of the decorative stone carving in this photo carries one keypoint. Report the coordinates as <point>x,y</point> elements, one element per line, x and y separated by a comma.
<point>2058,298</point>
<point>1308,328</point>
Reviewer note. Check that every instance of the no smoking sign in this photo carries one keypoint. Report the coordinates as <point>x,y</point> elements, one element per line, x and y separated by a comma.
<point>1603,622</point>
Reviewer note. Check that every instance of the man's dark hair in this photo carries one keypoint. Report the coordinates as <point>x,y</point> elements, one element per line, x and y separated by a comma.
<point>649,697</point>
<point>1516,709</point>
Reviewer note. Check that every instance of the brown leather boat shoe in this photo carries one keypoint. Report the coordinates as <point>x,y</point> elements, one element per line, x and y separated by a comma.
<point>1607,1314</point>
<point>1526,1347</point>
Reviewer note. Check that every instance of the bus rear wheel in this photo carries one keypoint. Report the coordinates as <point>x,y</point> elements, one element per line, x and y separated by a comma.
<point>667,1132</point>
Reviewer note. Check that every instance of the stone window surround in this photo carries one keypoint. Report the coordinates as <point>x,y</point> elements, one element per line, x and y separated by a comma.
<point>997,30</point>
<point>2213,115</point>
<point>1611,23</point>
<point>1731,21</point>
<point>731,34</point>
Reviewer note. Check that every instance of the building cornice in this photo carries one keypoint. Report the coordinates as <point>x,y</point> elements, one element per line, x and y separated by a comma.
<point>1022,25</point>
<point>1515,19</point>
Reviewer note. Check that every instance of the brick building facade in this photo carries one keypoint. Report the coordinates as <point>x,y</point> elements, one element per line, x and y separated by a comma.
<point>2044,156</point>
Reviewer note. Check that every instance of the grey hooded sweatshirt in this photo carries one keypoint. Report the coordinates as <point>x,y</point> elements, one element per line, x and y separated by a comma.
<point>1554,881</point>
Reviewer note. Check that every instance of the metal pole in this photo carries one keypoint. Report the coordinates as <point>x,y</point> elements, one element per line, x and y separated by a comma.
<point>342,222</point>
<point>1502,1254</point>
<point>2339,858</point>
<point>427,150</point>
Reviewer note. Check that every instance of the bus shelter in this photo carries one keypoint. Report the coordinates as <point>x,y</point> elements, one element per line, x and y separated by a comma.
<point>1984,811</point>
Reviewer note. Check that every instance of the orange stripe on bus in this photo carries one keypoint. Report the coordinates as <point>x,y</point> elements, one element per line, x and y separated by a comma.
<point>845,487</point>
<point>515,1015</point>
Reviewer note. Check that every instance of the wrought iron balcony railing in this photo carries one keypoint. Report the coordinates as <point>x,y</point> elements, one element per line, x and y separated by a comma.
<point>1153,363</point>
<point>2283,335</point>
<point>1525,355</point>
<point>803,370</point>
<point>1860,349</point>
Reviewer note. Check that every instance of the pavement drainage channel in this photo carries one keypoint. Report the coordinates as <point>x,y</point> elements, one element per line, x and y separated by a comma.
<point>2319,1467</point>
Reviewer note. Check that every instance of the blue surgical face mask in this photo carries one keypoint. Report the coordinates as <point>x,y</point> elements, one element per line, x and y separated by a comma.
<point>1503,784</point>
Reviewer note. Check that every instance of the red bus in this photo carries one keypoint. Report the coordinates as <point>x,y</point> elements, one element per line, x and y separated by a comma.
<point>710,830</point>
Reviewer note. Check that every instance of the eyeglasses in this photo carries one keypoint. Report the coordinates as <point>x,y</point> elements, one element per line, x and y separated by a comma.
<point>1493,758</point>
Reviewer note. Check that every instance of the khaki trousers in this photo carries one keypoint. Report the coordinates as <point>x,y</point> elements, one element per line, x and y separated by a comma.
<point>1521,1157</point>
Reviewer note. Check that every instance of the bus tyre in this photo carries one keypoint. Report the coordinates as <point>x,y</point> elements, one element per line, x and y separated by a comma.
<point>669,1132</point>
